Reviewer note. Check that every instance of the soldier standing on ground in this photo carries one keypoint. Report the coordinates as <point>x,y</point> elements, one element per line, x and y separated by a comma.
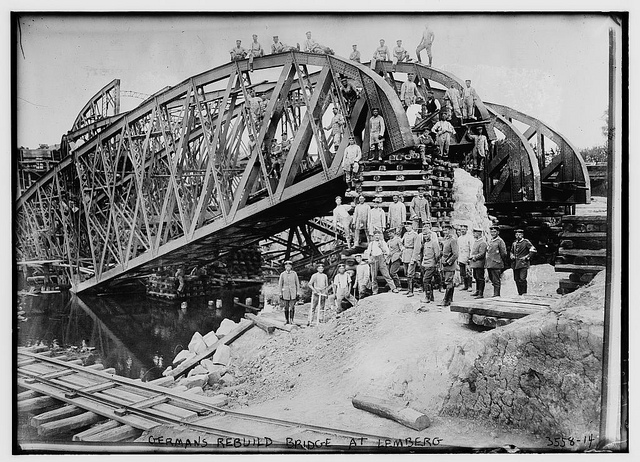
<point>363,275</point>
<point>477,261</point>
<point>351,162</point>
<point>409,91</point>
<point>410,253</point>
<point>397,214</point>
<point>355,54</point>
<point>238,53</point>
<point>319,285</point>
<point>521,252</point>
<point>377,253</point>
<point>443,130</point>
<point>469,99</point>
<point>395,256</point>
<point>361,219</point>
<point>377,219</point>
<point>376,134</point>
<point>289,287</point>
<point>429,263</point>
<point>341,217</point>
<point>449,263</point>
<point>337,128</point>
<point>255,51</point>
<point>342,288</point>
<point>464,252</point>
<point>494,261</point>
<point>425,44</point>
<point>420,208</point>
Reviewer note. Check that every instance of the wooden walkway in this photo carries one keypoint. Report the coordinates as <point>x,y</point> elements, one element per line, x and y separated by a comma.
<point>92,404</point>
<point>499,311</point>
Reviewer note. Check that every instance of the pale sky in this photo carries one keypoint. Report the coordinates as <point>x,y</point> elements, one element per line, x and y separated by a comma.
<point>551,66</point>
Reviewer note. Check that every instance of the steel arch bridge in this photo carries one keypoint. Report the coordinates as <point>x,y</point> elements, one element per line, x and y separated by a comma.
<point>178,180</point>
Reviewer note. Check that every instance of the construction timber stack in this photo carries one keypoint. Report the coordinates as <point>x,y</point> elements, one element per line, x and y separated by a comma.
<point>582,251</point>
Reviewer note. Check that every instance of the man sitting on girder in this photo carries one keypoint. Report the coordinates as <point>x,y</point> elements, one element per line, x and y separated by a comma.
<point>238,53</point>
<point>278,47</point>
<point>400,54</point>
<point>255,51</point>
<point>381,54</point>
<point>311,46</point>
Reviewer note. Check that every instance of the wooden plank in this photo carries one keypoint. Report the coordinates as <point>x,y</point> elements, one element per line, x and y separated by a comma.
<point>27,395</point>
<point>36,404</point>
<point>98,428</point>
<point>121,433</point>
<point>525,300</point>
<point>163,381</point>
<point>401,414</point>
<point>588,235</point>
<point>583,252</point>
<point>260,322</point>
<point>70,423</point>
<point>585,219</point>
<point>568,284</point>
<point>228,339</point>
<point>56,414</point>
<point>496,310</point>
<point>579,268</point>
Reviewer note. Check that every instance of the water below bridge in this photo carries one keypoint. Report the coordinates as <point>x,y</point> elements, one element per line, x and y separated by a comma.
<point>137,335</point>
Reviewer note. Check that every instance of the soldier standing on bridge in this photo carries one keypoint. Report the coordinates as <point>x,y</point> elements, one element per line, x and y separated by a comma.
<point>409,91</point>
<point>397,214</point>
<point>444,131</point>
<point>449,263</point>
<point>377,217</point>
<point>341,217</point>
<point>238,53</point>
<point>255,51</point>
<point>289,288</point>
<point>477,261</point>
<point>376,134</point>
<point>351,162</point>
<point>419,208</point>
<point>278,47</point>
<point>410,241</point>
<point>361,219</point>
<point>337,127</point>
<point>453,101</point>
<point>381,54</point>
<point>425,44</point>
<point>377,252</point>
<point>521,252</point>
<point>469,99</point>
<point>494,260</point>
<point>255,105</point>
<point>355,54</point>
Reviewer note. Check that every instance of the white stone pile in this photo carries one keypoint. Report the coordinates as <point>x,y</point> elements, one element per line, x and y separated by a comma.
<point>468,206</point>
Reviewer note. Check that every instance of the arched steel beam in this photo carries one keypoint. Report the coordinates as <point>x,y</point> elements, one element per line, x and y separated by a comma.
<point>103,104</point>
<point>565,174</point>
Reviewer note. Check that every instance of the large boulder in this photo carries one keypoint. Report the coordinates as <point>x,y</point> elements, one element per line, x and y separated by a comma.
<point>198,370</point>
<point>468,197</point>
<point>222,355</point>
<point>182,356</point>
<point>210,339</point>
<point>542,373</point>
<point>226,326</point>
<point>197,344</point>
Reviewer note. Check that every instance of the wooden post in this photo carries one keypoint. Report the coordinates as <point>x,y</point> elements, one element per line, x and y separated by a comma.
<point>70,423</point>
<point>56,414</point>
<point>260,323</point>
<point>403,415</point>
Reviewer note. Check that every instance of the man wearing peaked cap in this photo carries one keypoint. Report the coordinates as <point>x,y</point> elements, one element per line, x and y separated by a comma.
<point>521,252</point>
<point>494,261</point>
<point>476,261</point>
<point>377,218</point>
<point>465,241</point>
<point>289,288</point>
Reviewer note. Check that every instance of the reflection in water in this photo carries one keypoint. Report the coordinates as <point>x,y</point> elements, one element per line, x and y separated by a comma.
<point>138,336</point>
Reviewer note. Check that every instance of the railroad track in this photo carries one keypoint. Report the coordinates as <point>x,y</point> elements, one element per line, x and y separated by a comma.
<point>94,405</point>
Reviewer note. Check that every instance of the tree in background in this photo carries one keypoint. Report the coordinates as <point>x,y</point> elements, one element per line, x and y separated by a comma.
<point>598,153</point>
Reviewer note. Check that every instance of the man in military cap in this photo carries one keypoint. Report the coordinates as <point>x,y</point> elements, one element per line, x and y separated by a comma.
<point>449,263</point>
<point>429,263</point>
<point>355,54</point>
<point>238,52</point>
<point>410,254</point>
<point>360,220</point>
<point>521,252</point>
<point>278,47</point>
<point>464,251</point>
<point>377,253</point>
<point>494,261</point>
<point>476,261</point>
<point>420,207</point>
<point>289,288</point>
<point>395,255</point>
<point>376,134</point>
<point>377,219</point>
<point>397,214</point>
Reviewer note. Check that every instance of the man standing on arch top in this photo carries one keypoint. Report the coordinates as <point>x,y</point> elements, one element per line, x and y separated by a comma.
<point>494,260</point>
<point>355,54</point>
<point>425,44</point>
<point>376,134</point>
<point>521,252</point>
<point>469,100</point>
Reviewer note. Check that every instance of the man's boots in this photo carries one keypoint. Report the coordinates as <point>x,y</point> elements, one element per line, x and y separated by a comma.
<point>449,296</point>
<point>286,314</point>
<point>291,313</point>
<point>496,291</point>
<point>480,290</point>
<point>445,300</point>
<point>410,290</point>
<point>428,293</point>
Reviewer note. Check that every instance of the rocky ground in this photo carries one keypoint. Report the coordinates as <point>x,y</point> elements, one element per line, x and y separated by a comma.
<point>386,348</point>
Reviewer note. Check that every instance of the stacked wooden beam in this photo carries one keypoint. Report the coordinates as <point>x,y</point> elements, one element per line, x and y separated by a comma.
<point>499,311</point>
<point>582,251</point>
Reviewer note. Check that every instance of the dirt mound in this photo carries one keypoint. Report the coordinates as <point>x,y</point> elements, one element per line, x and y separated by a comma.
<point>541,373</point>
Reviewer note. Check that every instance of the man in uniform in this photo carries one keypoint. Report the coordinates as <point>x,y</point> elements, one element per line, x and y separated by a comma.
<point>444,131</point>
<point>278,47</point>
<point>400,54</point>
<point>425,43</point>
<point>311,46</point>
<point>465,241</point>
<point>477,261</point>
<point>377,219</point>
<point>351,162</point>
<point>395,255</point>
<point>350,94</point>
<point>494,261</point>
<point>469,99</point>
<point>355,54</point>
<point>480,148</point>
<point>376,134</point>
<point>430,260</point>
<point>449,263</point>
<point>381,54</point>
<point>360,220</point>
<point>255,51</point>
<point>319,285</point>
<point>337,127</point>
<point>238,53</point>
<point>454,101</point>
<point>521,252</point>
<point>342,288</point>
<point>289,287</point>
<point>363,275</point>
<point>409,91</point>
<point>410,255</point>
<point>397,214</point>
<point>341,217</point>
<point>377,253</point>
<point>420,208</point>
